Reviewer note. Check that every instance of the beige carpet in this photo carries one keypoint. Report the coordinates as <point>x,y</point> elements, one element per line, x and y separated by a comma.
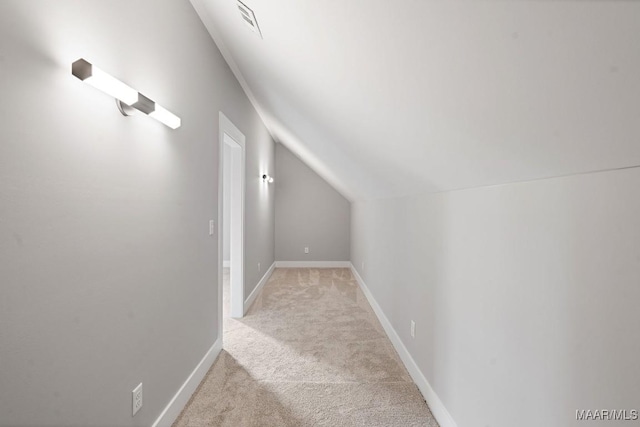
<point>310,352</point>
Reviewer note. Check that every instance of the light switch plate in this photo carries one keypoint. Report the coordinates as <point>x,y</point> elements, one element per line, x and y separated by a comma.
<point>136,398</point>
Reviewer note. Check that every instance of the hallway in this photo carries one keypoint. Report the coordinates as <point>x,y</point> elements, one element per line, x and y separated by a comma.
<point>310,351</point>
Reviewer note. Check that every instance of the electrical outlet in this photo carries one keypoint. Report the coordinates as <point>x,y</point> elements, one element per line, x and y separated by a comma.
<point>212,225</point>
<point>413,329</point>
<point>259,269</point>
<point>136,397</point>
<point>306,249</point>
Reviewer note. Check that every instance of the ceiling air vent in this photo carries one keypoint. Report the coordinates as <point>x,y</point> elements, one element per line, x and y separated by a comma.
<point>249,18</point>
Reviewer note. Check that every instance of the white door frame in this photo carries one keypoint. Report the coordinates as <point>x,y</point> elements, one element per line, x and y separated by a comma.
<point>231,136</point>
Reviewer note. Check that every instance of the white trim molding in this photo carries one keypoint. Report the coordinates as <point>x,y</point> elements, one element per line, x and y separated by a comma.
<point>438,409</point>
<point>226,264</point>
<point>232,137</point>
<point>181,398</point>
<point>313,264</point>
<point>254,294</point>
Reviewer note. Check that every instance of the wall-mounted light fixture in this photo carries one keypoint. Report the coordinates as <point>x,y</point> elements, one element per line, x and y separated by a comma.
<point>268,179</point>
<point>126,97</point>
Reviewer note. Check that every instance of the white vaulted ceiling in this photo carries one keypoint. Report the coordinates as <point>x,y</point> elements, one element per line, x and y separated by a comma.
<point>385,98</point>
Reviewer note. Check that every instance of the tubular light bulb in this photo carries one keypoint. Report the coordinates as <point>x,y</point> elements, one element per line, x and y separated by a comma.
<point>165,116</point>
<point>97,78</point>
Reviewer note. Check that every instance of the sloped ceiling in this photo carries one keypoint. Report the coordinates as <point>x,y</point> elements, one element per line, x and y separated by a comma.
<point>386,98</point>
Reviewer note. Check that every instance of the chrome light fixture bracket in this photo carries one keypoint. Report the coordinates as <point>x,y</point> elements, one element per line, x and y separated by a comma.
<point>143,105</point>
<point>126,110</point>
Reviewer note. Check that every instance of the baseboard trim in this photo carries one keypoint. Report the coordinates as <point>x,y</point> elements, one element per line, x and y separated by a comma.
<point>179,401</point>
<point>313,264</point>
<point>254,294</point>
<point>438,409</point>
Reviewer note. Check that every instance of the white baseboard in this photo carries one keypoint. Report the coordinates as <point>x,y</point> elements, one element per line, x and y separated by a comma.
<point>226,264</point>
<point>254,294</point>
<point>435,404</point>
<point>179,401</point>
<point>313,264</point>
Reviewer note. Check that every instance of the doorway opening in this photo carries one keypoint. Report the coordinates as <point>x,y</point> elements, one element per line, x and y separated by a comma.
<point>231,220</point>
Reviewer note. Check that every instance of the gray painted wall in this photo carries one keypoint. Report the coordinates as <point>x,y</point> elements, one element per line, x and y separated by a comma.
<point>525,295</point>
<point>259,214</point>
<point>108,274</point>
<point>309,212</point>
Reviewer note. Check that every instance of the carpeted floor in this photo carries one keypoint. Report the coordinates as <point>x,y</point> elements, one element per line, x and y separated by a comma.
<point>310,352</point>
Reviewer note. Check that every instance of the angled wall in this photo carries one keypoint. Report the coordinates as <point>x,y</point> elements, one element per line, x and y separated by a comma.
<point>309,213</point>
<point>107,270</point>
<point>525,296</point>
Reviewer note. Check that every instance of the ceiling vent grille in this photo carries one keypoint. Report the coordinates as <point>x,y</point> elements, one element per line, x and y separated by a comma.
<point>249,18</point>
